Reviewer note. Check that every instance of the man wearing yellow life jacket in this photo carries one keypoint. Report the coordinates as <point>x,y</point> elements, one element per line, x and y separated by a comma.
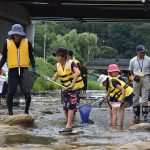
<point>19,52</point>
<point>69,75</point>
<point>119,93</point>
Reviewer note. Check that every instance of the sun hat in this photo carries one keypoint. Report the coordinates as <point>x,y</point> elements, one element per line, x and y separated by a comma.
<point>61,51</point>
<point>113,68</point>
<point>16,29</point>
<point>141,48</point>
<point>102,78</point>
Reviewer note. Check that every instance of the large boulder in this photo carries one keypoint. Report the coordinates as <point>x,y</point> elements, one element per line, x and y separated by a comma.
<point>9,129</point>
<point>21,119</point>
<point>140,127</point>
<point>139,145</point>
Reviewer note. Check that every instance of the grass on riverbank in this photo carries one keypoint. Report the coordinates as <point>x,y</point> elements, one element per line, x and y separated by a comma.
<point>45,68</point>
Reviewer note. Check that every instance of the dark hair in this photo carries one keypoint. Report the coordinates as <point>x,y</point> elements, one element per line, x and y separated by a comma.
<point>12,36</point>
<point>70,53</point>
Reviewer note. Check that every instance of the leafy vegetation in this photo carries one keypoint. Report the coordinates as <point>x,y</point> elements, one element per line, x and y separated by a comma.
<point>44,68</point>
<point>87,39</point>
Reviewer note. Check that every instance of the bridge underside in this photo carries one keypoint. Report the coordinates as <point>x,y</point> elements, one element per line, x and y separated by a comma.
<point>87,10</point>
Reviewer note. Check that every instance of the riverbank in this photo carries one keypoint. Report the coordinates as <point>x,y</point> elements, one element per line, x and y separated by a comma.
<point>45,132</point>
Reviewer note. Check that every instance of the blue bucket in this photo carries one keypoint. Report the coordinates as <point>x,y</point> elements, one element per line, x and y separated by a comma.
<point>85,112</point>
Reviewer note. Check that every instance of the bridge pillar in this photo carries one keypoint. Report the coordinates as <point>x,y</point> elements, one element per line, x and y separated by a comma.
<point>30,32</point>
<point>11,13</point>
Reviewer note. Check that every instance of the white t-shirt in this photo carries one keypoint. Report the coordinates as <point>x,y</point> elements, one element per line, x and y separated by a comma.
<point>140,65</point>
<point>5,69</point>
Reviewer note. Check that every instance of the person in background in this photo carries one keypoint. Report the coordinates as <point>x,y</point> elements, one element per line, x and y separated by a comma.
<point>140,68</point>
<point>119,94</point>
<point>70,78</point>
<point>18,52</point>
<point>72,57</point>
<point>84,76</point>
<point>3,84</point>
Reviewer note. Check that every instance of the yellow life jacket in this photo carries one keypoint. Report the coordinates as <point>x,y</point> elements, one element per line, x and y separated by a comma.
<point>116,93</point>
<point>75,60</point>
<point>67,76</point>
<point>12,54</point>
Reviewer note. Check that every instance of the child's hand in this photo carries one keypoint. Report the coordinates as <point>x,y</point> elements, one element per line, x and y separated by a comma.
<point>106,98</point>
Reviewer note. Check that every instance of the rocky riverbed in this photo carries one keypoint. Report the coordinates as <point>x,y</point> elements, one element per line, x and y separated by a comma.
<point>40,129</point>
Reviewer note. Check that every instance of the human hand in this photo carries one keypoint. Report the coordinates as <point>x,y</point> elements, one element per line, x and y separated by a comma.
<point>105,98</point>
<point>70,86</point>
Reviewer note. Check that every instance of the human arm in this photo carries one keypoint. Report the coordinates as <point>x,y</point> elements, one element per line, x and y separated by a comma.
<point>31,56</point>
<point>107,96</point>
<point>131,67</point>
<point>76,75</point>
<point>54,78</point>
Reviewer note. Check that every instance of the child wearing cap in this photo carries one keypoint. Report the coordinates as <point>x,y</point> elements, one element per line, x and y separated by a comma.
<point>70,78</point>
<point>119,94</point>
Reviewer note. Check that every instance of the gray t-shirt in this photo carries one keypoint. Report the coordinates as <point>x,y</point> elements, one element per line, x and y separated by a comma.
<point>140,65</point>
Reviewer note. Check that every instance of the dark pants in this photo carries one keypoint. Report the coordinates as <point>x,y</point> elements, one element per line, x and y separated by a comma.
<point>13,82</point>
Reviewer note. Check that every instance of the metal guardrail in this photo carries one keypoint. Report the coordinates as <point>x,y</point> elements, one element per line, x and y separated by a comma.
<point>108,61</point>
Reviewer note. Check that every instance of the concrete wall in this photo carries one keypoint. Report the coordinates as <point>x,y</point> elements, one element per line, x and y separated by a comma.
<point>5,26</point>
<point>12,13</point>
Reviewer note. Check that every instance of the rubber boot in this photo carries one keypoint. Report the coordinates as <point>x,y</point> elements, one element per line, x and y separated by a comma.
<point>136,111</point>
<point>10,104</point>
<point>28,101</point>
<point>145,113</point>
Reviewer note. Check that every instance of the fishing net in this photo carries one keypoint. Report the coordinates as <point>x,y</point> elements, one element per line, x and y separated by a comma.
<point>28,80</point>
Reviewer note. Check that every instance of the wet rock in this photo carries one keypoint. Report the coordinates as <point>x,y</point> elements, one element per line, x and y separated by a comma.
<point>139,145</point>
<point>25,147</point>
<point>140,127</point>
<point>50,111</point>
<point>17,119</point>
<point>9,129</point>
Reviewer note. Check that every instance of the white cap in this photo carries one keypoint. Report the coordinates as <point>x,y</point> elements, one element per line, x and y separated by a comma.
<point>102,78</point>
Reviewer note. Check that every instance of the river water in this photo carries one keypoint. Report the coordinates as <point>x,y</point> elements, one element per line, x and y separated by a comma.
<point>95,135</point>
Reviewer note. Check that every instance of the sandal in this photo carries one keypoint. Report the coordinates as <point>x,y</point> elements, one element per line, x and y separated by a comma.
<point>66,130</point>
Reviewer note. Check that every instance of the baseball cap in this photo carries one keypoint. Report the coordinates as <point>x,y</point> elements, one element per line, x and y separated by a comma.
<point>61,51</point>
<point>141,48</point>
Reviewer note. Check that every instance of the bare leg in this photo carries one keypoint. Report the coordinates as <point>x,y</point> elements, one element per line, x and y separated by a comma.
<point>110,117</point>
<point>66,114</point>
<point>70,118</point>
<point>114,117</point>
<point>121,113</point>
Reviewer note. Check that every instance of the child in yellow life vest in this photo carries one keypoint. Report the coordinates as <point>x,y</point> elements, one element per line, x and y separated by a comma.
<point>120,95</point>
<point>114,71</point>
<point>69,75</point>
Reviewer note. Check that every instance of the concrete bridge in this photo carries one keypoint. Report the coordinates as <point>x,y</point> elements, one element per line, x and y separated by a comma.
<point>23,11</point>
<point>102,64</point>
